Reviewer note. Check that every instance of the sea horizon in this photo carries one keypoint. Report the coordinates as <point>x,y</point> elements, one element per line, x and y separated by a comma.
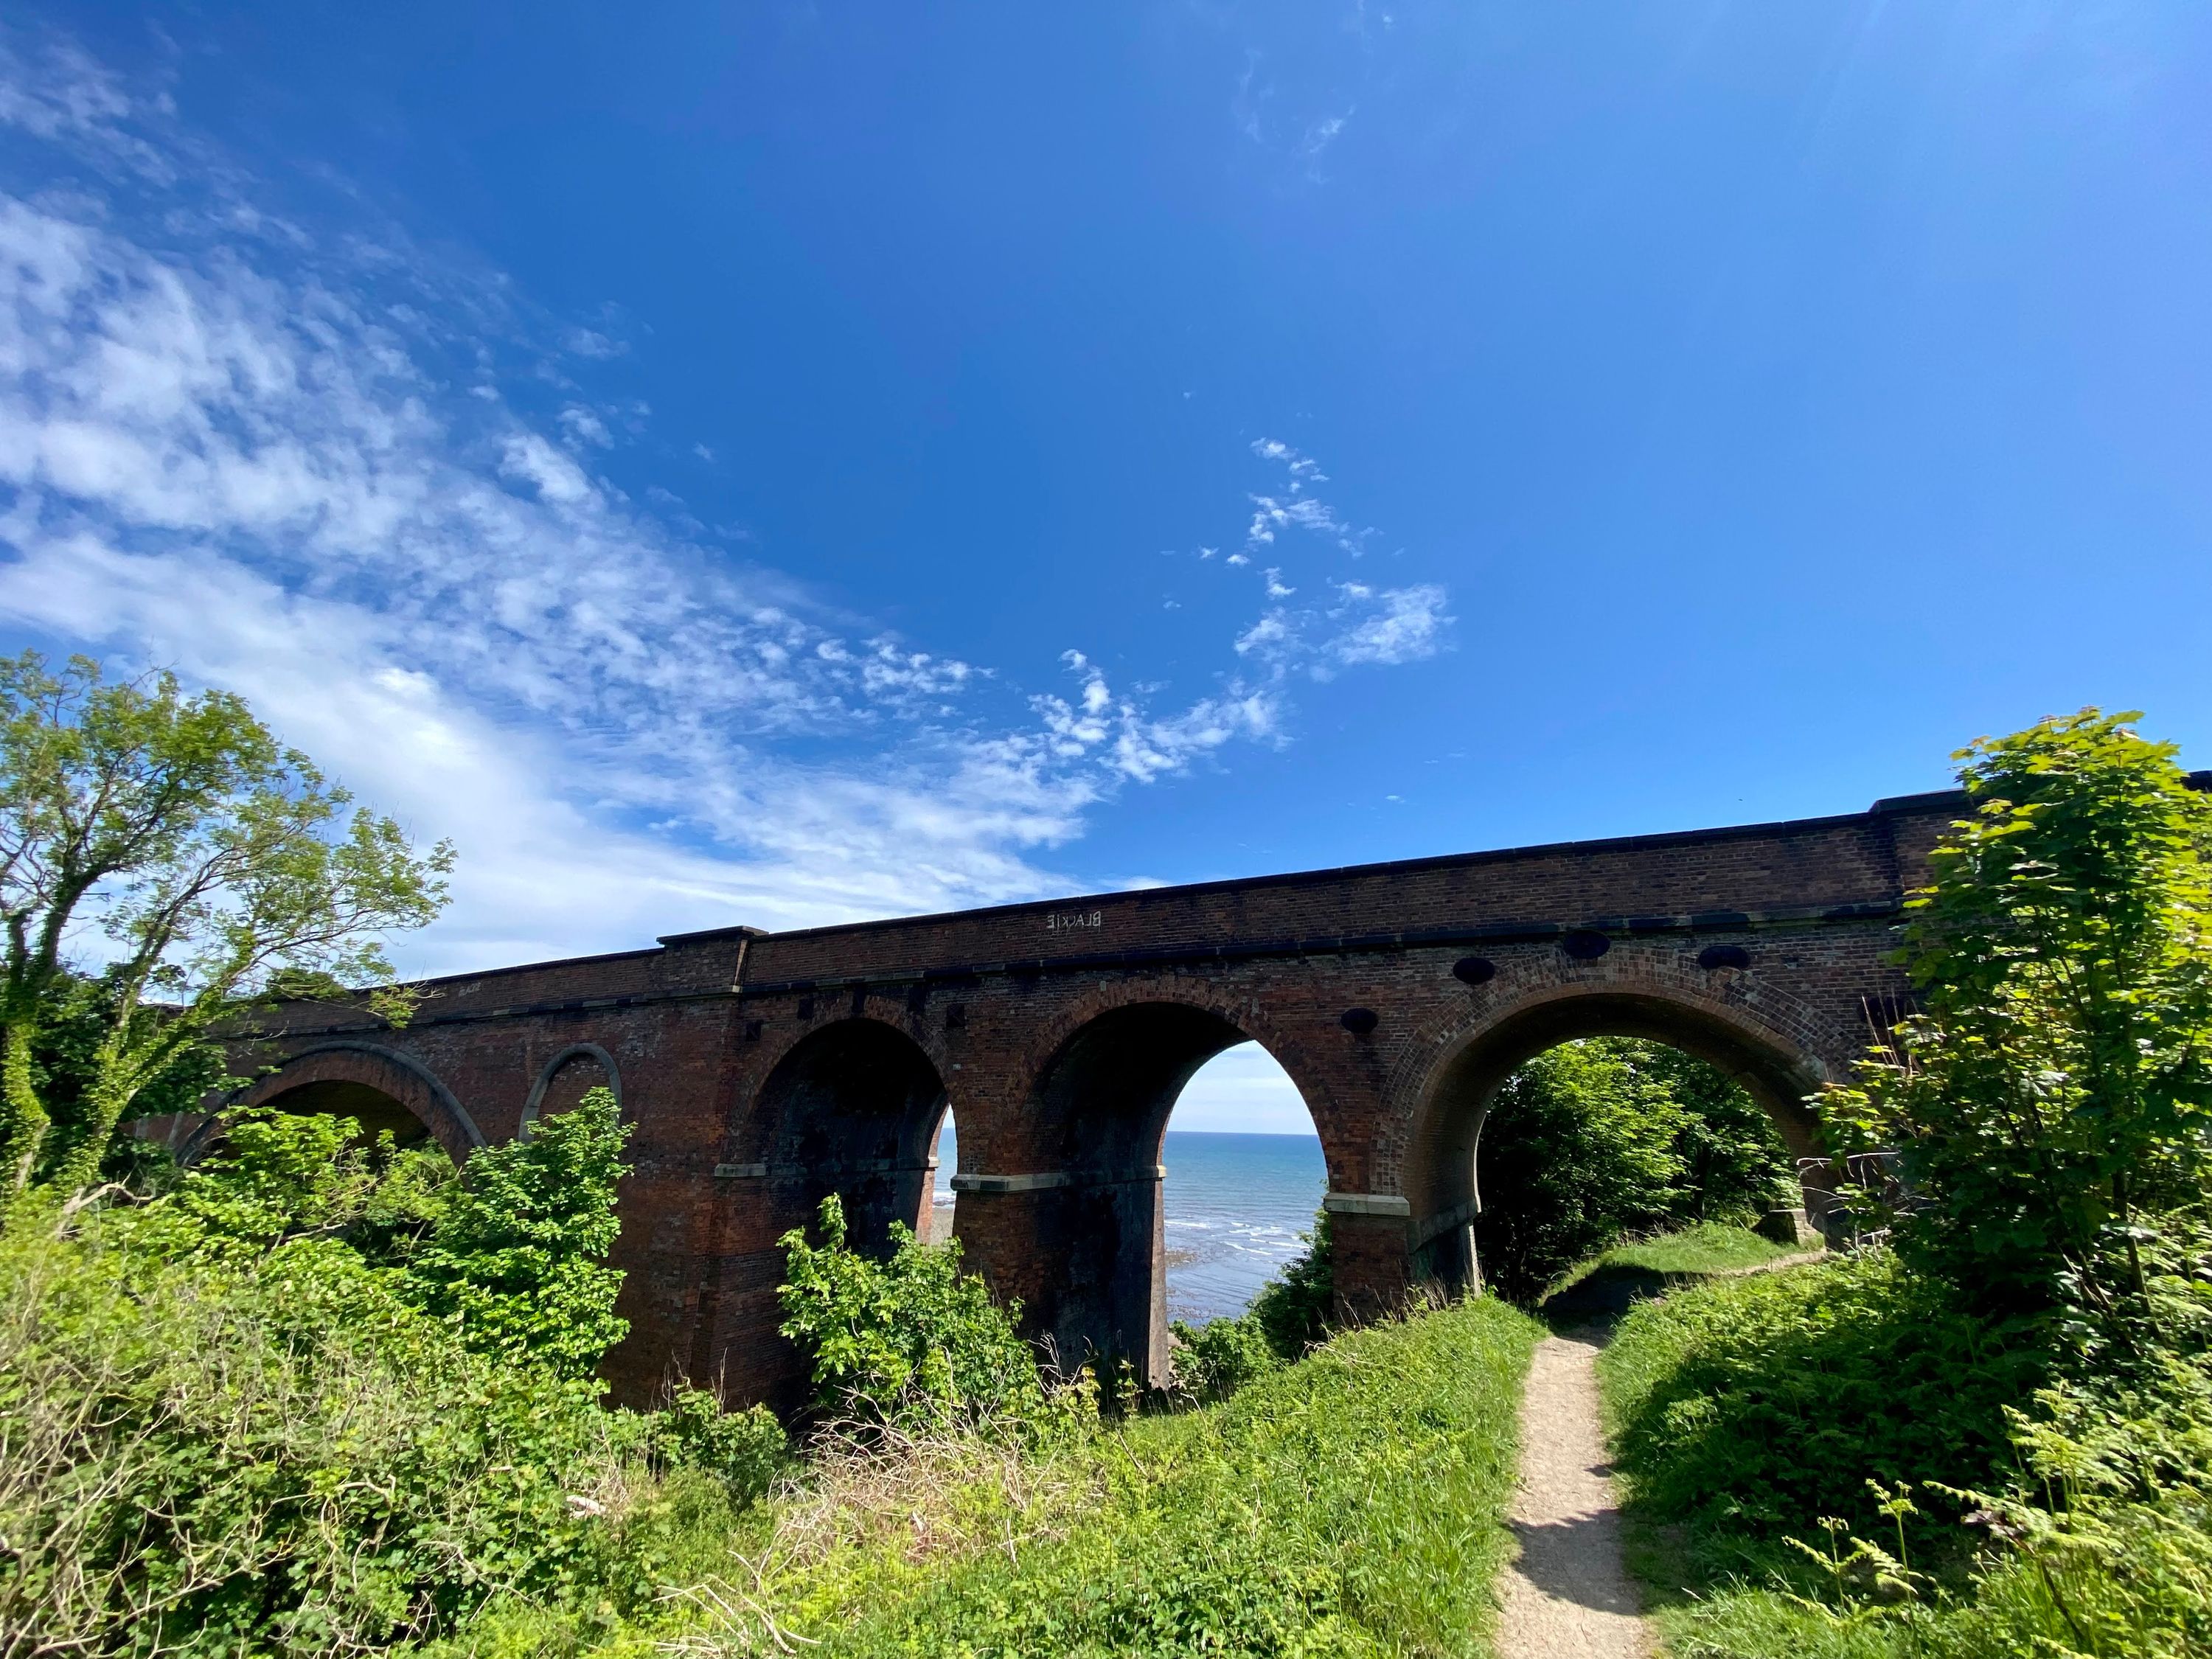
<point>1238,1205</point>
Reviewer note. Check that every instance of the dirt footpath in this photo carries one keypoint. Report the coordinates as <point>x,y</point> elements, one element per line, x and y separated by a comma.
<point>1568,1595</point>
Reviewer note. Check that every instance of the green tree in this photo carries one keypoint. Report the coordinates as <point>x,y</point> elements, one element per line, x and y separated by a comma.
<point>2051,1100</point>
<point>517,1259</point>
<point>1577,1149</point>
<point>1735,1167</point>
<point>211,857</point>
<point>1594,1141</point>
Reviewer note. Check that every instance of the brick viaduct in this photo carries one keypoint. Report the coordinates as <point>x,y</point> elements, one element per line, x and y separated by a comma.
<point>762,1070</point>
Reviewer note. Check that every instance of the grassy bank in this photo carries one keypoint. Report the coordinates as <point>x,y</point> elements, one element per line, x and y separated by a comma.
<point>1796,1451</point>
<point>1711,1248</point>
<point>1350,1504</point>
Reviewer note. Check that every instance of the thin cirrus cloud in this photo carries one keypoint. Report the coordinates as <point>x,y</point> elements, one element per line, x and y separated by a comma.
<point>285,463</point>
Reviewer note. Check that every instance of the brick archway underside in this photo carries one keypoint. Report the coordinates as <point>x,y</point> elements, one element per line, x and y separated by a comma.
<point>328,1073</point>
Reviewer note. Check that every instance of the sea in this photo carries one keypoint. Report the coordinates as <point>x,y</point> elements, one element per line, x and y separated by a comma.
<point>1238,1207</point>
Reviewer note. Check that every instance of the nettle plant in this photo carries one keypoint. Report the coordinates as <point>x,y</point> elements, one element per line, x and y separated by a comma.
<point>2050,1105</point>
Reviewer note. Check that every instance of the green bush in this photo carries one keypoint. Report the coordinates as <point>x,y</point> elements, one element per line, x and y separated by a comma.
<point>270,1411</point>
<point>744,1449</point>
<point>911,1341</point>
<point>1213,1361</point>
<point>236,1454</point>
<point>517,1259</point>
<point>1296,1308</point>
<point>1757,1405</point>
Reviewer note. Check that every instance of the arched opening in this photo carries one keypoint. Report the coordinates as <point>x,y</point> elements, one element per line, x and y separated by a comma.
<point>1446,1183</point>
<point>940,1213</point>
<point>376,1113</point>
<point>1245,1174</point>
<point>1100,1116</point>
<point>853,1109</point>
<point>565,1079</point>
<point>381,1089</point>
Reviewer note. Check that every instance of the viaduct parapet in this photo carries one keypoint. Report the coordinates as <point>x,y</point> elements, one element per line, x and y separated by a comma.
<point>763,1071</point>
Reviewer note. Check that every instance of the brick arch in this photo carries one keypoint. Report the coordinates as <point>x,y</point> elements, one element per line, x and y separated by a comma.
<point>1069,1214</point>
<point>776,1046</point>
<point>1778,1061</point>
<point>850,1106</point>
<point>587,1053</point>
<point>1246,1012</point>
<point>400,1076</point>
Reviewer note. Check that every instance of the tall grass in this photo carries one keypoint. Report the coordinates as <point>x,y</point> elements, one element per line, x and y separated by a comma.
<point>1350,1504</point>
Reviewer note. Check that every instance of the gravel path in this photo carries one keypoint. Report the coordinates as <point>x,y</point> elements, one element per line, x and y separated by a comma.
<point>1568,1596</point>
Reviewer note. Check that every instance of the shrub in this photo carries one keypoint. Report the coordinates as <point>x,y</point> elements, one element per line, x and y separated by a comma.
<point>1295,1308</point>
<point>242,1453</point>
<point>1760,1405</point>
<point>910,1341</point>
<point>2054,1096</point>
<point>1212,1362</point>
<point>517,1261</point>
<point>744,1449</point>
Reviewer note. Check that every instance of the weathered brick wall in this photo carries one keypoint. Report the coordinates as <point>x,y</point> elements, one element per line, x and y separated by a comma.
<point>1466,966</point>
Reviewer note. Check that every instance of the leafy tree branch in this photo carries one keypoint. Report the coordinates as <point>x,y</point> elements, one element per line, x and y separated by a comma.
<point>208,859</point>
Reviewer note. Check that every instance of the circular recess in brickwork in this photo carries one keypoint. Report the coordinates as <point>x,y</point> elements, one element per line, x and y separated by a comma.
<point>1474,970</point>
<point>1360,1021</point>
<point>1723,956</point>
<point>956,1017</point>
<point>1585,944</point>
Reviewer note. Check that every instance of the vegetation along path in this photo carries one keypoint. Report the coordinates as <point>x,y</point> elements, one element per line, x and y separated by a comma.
<point>1568,1594</point>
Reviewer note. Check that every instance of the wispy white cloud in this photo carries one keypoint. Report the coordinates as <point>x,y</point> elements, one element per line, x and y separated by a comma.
<point>1364,624</point>
<point>590,343</point>
<point>235,448</point>
<point>1324,132</point>
<point>1394,625</point>
<point>1295,509</point>
<point>584,427</point>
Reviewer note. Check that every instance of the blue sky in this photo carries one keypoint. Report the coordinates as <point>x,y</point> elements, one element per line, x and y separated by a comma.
<point>783,464</point>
